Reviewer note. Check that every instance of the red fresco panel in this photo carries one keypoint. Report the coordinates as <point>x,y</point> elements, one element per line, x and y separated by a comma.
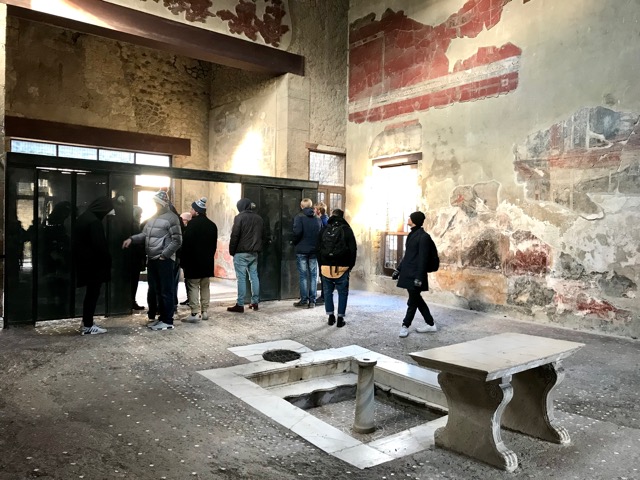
<point>402,66</point>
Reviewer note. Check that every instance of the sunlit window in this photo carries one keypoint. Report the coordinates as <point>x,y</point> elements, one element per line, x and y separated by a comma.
<point>89,153</point>
<point>34,148</point>
<point>327,168</point>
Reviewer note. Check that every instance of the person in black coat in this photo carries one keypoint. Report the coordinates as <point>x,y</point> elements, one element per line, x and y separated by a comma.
<point>199,244</point>
<point>92,259</point>
<point>411,274</point>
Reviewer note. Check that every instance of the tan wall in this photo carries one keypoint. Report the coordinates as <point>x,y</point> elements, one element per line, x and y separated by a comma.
<point>530,180</point>
<point>264,126</point>
<point>59,75</point>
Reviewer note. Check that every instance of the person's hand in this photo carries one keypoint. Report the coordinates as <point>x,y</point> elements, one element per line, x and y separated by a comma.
<point>417,283</point>
<point>126,243</point>
<point>395,275</point>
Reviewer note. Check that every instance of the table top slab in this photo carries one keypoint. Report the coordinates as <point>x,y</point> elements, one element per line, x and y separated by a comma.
<point>496,356</point>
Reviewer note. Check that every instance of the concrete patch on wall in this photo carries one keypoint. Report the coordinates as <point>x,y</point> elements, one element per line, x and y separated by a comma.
<point>396,139</point>
<point>596,150</point>
<point>398,65</point>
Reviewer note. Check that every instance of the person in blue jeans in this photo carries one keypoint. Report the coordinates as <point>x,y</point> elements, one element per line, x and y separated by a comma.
<point>306,226</point>
<point>244,245</point>
<point>337,251</point>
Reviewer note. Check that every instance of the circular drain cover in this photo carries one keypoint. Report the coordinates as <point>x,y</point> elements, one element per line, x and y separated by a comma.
<point>282,356</point>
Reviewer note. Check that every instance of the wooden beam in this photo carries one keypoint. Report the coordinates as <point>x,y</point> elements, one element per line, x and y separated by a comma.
<point>29,128</point>
<point>127,25</point>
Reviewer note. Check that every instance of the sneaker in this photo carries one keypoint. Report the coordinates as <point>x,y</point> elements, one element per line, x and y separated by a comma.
<point>404,332</point>
<point>426,328</point>
<point>332,319</point>
<point>254,306</point>
<point>236,308</point>
<point>135,306</point>
<point>320,301</point>
<point>161,326</point>
<point>152,322</point>
<point>300,304</point>
<point>205,316</point>
<point>193,318</point>
<point>312,304</point>
<point>186,302</point>
<point>341,322</point>
<point>93,330</point>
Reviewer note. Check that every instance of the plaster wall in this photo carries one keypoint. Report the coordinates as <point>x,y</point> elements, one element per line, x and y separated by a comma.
<point>60,75</point>
<point>528,116</point>
<point>261,125</point>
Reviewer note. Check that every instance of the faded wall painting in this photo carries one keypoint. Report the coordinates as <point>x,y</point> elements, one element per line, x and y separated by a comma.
<point>596,150</point>
<point>398,65</point>
<point>261,21</point>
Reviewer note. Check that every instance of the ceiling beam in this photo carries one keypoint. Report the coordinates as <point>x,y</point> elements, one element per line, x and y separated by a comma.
<point>119,23</point>
<point>33,129</point>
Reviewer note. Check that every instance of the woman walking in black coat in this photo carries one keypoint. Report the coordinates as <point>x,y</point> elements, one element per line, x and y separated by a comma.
<point>412,274</point>
<point>92,259</point>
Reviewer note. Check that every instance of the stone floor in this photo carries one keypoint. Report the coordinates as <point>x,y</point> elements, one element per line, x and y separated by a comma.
<point>130,404</point>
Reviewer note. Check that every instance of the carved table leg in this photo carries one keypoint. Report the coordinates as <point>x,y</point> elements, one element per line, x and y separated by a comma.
<point>473,426</point>
<point>531,409</point>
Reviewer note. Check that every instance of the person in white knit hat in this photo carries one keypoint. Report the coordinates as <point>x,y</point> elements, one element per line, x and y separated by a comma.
<point>197,260</point>
<point>162,238</point>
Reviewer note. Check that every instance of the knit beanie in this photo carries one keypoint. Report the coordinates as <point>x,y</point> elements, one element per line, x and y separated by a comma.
<point>200,206</point>
<point>417,218</point>
<point>161,198</point>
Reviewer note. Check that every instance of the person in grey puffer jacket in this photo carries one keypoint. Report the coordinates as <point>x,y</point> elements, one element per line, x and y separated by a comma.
<point>244,245</point>
<point>162,237</point>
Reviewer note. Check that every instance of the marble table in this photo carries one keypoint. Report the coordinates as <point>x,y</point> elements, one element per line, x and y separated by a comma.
<point>503,380</point>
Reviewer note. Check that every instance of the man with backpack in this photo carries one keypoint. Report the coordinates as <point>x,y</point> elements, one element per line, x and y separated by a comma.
<point>420,257</point>
<point>336,255</point>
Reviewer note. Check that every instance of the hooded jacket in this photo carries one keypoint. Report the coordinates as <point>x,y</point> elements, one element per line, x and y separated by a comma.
<point>90,248</point>
<point>161,235</point>
<point>199,244</point>
<point>306,227</point>
<point>247,230</point>
<point>349,258</point>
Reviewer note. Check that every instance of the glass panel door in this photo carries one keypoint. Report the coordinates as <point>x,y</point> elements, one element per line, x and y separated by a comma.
<point>20,238</point>
<point>54,260</point>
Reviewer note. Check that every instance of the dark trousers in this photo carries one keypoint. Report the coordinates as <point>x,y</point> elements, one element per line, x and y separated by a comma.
<point>91,296</point>
<point>416,302</point>
<point>135,280</point>
<point>161,294</point>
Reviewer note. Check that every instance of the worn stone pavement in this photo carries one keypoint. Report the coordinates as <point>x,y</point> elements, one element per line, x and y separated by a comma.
<point>129,404</point>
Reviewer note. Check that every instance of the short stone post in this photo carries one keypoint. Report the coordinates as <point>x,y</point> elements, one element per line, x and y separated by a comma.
<point>365,407</point>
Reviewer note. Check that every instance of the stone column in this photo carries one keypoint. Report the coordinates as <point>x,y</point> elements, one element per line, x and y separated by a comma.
<point>365,407</point>
<point>3,65</point>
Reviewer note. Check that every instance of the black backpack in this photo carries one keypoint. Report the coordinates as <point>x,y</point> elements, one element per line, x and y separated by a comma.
<point>333,244</point>
<point>433,262</point>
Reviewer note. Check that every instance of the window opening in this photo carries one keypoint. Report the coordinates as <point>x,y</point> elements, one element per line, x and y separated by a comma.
<point>89,153</point>
<point>328,169</point>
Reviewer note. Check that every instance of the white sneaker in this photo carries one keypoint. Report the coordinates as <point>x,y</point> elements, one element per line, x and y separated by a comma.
<point>93,330</point>
<point>161,326</point>
<point>426,328</point>
<point>404,332</point>
<point>193,318</point>
<point>205,316</point>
